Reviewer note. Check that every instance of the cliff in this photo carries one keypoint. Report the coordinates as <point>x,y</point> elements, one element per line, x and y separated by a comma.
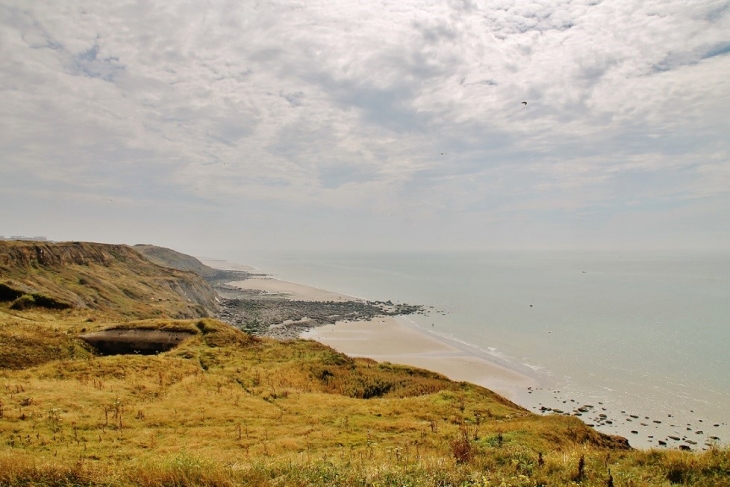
<point>183,262</point>
<point>175,260</point>
<point>110,278</point>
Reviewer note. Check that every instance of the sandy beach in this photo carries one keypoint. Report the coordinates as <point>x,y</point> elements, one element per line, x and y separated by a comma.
<point>386,339</point>
<point>290,290</point>
<point>225,265</point>
<point>389,340</point>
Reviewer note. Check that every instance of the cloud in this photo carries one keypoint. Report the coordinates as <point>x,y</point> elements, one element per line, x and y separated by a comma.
<point>294,108</point>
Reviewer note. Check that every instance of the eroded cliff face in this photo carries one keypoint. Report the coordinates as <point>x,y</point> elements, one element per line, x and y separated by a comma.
<point>46,254</point>
<point>112,278</point>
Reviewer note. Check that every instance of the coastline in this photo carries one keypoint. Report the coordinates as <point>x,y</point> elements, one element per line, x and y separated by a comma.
<point>388,339</point>
<point>400,340</point>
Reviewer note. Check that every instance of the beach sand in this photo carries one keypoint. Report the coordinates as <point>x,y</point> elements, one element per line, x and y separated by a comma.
<point>290,290</point>
<point>225,265</point>
<point>386,339</point>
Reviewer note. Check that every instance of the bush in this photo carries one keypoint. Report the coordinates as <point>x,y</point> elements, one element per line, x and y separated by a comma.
<point>8,294</point>
<point>23,302</point>
<point>27,301</point>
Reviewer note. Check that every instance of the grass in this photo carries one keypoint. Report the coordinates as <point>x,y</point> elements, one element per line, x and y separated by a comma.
<point>226,408</point>
<point>111,279</point>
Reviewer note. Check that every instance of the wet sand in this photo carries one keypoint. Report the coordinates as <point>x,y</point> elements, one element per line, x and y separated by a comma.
<point>388,340</point>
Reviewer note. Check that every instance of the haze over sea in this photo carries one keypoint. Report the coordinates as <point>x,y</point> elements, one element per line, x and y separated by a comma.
<point>640,333</point>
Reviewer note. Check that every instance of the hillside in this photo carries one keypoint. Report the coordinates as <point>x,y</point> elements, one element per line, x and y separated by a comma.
<point>176,260</point>
<point>110,278</point>
<point>222,407</point>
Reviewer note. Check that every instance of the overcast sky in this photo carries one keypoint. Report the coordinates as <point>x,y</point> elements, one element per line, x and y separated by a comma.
<point>214,125</point>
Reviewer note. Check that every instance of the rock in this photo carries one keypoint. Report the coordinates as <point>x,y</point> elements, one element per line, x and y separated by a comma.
<point>282,318</point>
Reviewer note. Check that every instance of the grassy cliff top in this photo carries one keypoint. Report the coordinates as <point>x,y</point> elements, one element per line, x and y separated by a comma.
<point>226,408</point>
<point>111,279</point>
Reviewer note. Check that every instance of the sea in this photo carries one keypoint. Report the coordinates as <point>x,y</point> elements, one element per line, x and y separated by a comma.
<point>642,338</point>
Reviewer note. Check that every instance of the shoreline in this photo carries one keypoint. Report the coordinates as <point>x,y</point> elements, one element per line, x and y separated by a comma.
<point>388,339</point>
<point>400,340</point>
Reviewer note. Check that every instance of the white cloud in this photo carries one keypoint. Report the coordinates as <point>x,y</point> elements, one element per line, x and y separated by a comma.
<point>312,109</point>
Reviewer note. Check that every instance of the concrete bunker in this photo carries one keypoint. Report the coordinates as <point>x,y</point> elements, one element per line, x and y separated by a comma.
<point>141,342</point>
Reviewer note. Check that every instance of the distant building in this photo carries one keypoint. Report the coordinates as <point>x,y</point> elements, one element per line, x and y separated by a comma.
<point>20,237</point>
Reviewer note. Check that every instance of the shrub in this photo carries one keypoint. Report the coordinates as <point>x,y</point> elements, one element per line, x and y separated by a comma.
<point>23,302</point>
<point>27,301</point>
<point>8,294</point>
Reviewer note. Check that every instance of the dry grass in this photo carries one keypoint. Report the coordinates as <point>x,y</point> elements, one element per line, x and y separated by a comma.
<point>225,408</point>
<point>112,279</point>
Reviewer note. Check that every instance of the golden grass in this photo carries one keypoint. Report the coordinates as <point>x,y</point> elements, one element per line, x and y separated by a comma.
<point>111,279</point>
<point>226,408</point>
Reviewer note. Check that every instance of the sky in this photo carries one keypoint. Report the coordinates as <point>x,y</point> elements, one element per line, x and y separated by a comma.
<point>211,126</point>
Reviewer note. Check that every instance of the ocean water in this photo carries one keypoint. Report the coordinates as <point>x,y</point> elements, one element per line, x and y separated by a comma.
<point>640,334</point>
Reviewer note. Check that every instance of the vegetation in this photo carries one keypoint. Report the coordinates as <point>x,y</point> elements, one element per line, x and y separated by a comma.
<point>113,279</point>
<point>227,408</point>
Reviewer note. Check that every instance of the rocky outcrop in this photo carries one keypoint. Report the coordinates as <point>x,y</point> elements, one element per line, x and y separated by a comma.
<point>284,319</point>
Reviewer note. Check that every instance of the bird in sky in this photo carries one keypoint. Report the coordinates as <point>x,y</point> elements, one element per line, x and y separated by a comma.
<point>524,103</point>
